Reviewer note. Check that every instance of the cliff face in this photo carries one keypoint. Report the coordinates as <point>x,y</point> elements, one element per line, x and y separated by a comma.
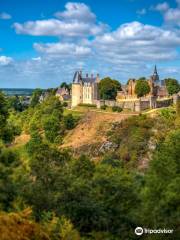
<point>91,131</point>
<point>130,139</point>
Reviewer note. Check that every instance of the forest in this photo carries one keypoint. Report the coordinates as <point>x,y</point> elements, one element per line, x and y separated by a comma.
<point>47,192</point>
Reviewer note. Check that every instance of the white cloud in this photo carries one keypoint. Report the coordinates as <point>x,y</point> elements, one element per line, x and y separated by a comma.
<point>137,42</point>
<point>36,59</point>
<point>77,11</point>
<point>162,7</point>
<point>5,60</point>
<point>173,16</point>
<point>5,16</point>
<point>54,27</point>
<point>65,49</point>
<point>76,21</point>
<point>83,42</point>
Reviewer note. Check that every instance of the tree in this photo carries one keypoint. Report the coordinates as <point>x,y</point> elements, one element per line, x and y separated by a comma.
<point>6,132</point>
<point>9,161</point>
<point>108,88</point>
<point>115,193</point>
<point>172,85</point>
<point>43,188</point>
<point>21,226</point>
<point>46,117</point>
<point>178,107</point>
<point>142,88</point>
<point>161,193</point>
<point>35,97</point>
<point>69,121</point>
<point>66,85</point>
<point>3,112</point>
<point>15,103</point>
<point>51,127</point>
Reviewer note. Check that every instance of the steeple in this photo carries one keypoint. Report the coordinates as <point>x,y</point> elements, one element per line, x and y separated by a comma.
<point>155,70</point>
<point>155,76</point>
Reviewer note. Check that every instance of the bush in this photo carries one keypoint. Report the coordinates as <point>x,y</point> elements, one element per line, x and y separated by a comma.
<point>65,104</point>
<point>168,113</point>
<point>103,107</point>
<point>87,105</point>
<point>178,107</point>
<point>116,109</point>
<point>69,121</point>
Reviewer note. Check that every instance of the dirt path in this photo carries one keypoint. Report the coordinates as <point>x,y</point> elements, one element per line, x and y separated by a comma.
<point>22,139</point>
<point>92,128</point>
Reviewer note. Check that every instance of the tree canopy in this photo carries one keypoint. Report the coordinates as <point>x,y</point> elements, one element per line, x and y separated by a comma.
<point>66,85</point>
<point>51,192</point>
<point>172,85</point>
<point>108,88</point>
<point>35,97</point>
<point>142,87</point>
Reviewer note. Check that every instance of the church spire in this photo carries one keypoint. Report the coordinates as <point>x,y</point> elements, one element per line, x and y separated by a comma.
<point>155,75</point>
<point>155,70</point>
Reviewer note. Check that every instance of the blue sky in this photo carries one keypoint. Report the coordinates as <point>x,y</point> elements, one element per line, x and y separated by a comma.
<point>42,42</point>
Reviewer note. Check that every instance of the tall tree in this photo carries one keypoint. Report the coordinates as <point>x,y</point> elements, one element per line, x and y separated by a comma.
<point>66,85</point>
<point>4,131</point>
<point>161,192</point>
<point>142,88</point>
<point>9,161</point>
<point>108,88</point>
<point>172,85</point>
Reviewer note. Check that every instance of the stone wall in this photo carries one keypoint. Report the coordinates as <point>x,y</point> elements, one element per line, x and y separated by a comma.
<point>135,105</point>
<point>163,102</point>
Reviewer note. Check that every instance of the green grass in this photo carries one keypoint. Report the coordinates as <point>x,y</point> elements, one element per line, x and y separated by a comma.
<point>79,111</point>
<point>73,112</point>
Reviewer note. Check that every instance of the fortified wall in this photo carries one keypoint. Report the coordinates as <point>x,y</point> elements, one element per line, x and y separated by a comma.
<point>136,105</point>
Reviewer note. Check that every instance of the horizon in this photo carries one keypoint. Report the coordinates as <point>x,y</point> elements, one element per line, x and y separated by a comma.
<point>118,39</point>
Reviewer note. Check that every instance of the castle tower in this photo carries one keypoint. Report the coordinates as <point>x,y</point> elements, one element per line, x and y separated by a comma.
<point>77,89</point>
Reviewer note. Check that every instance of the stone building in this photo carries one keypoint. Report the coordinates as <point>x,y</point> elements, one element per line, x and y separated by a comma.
<point>157,88</point>
<point>84,88</point>
<point>63,94</point>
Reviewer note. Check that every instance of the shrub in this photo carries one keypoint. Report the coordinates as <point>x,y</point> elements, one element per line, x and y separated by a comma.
<point>178,107</point>
<point>116,109</point>
<point>69,121</point>
<point>168,113</point>
<point>103,107</point>
<point>87,105</point>
<point>21,226</point>
<point>65,104</point>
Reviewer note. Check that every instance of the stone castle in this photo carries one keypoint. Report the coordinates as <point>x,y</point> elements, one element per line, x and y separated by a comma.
<point>84,89</point>
<point>157,88</point>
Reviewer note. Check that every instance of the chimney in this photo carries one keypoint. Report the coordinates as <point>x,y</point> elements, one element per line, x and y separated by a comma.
<point>87,75</point>
<point>97,75</point>
<point>91,75</point>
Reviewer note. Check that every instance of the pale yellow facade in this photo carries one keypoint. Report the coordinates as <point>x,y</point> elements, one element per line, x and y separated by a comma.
<point>84,90</point>
<point>76,94</point>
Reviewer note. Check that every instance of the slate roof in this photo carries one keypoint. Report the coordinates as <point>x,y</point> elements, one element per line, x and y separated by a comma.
<point>79,78</point>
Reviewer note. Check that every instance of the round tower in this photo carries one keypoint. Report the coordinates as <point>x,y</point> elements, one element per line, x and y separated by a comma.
<point>77,89</point>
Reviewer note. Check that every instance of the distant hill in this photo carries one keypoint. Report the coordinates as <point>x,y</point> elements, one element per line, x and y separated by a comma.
<point>17,91</point>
